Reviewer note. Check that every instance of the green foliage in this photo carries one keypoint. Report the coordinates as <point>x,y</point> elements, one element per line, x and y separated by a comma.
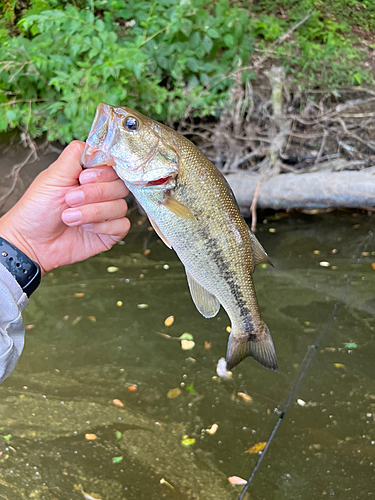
<point>165,58</point>
<point>156,57</point>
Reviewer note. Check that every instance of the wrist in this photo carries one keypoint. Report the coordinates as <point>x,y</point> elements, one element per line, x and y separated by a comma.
<point>12,236</point>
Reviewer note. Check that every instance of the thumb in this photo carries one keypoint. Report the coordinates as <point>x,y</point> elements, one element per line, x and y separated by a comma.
<point>66,168</point>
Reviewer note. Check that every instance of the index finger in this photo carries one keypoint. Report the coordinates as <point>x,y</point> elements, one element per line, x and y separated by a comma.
<point>97,174</point>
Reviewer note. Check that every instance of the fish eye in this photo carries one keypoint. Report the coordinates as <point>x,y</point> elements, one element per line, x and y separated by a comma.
<point>130,123</point>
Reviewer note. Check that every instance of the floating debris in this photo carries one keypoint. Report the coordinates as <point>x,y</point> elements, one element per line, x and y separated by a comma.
<point>324,263</point>
<point>132,388</point>
<point>174,393</point>
<point>118,434</point>
<point>258,447</point>
<point>373,265</point>
<point>79,294</point>
<point>142,306</point>
<point>186,441</point>
<point>351,345</point>
<point>91,437</point>
<point>163,481</point>
<point>118,403</point>
<point>339,365</point>
<point>76,320</point>
<point>245,397</point>
<point>316,252</point>
<point>301,402</point>
<point>117,460</point>
<point>29,327</point>
<point>112,269</point>
<point>237,480</point>
<point>221,369</point>
<point>119,303</point>
<point>192,360</point>
<point>228,329</point>
<point>207,345</point>
<point>186,345</point>
<point>272,230</point>
<point>212,429</point>
<point>169,321</point>
<point>147,251</point>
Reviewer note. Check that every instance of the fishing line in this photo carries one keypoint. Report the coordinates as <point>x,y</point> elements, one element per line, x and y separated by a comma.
<point>309,358</point>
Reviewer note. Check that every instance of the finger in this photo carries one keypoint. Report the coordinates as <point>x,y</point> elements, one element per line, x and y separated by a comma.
<point>67,168</point>
<point>96,212</point>
<point>96,193</point>
<point>97,174</point>
<point>117,228</point>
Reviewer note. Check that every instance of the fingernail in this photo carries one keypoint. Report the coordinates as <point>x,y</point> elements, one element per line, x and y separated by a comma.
<point>74,197</point>
<point>70,216</point>
<point>88,176</point>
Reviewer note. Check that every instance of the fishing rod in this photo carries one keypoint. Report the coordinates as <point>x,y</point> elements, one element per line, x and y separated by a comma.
<point>308,360</point>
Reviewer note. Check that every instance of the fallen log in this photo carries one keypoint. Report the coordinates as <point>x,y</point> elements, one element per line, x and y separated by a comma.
<point>350,189</point>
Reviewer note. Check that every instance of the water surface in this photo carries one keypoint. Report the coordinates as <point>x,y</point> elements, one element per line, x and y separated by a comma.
<point>84,350</point>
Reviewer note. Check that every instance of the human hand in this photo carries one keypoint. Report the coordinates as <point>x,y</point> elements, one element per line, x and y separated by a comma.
<point>67,214</point>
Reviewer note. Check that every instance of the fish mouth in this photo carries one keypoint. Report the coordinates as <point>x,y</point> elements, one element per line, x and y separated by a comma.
<point>102,134</point>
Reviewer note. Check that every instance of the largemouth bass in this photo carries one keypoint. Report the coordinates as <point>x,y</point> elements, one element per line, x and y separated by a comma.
<point>193,210</point>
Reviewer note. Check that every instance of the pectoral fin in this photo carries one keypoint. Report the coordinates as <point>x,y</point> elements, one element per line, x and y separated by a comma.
<point>177,208</point>
<point>206,303</point>
<point>259,254</point>
<point>159,233</point>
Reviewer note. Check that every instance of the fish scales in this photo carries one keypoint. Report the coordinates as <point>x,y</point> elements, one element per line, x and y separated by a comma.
<point>195,213</point>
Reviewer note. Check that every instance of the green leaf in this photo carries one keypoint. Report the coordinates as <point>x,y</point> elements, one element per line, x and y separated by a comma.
<point>212,33</point>
<point>192,64</point>
<point>194,40</point>
<point>207,44</point>
<point>228,40</point>
<point>117,460</point>
<point>351,345</point>
<point>7,438</point>
<point>191,389</point>
<point>186,336</point>
<point>118,434</point>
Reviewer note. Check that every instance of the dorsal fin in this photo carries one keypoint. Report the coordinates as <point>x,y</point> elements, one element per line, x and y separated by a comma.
<point>159,233</point>
<point>259,254</point>
<point>206,303</point>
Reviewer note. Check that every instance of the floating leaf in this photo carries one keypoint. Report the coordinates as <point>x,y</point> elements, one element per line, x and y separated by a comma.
<point>142,306</point>
<point>91,437</point>
<point>92,319</point>
<point>245,396</point>
<point>212,429</point>
<point>147,251</point>
<point>79,294</point>
<point>169,321</point>
<point>173,393</point>
<point>228,329</point>
<point>316,252</point>
<point>338,365</point>
<point>301,402</point>
<point>118,403</point>
<point>76,320</point>
<point>324,263</point>
<point>118,434</point>
<point>207,345</point>
<point>112,269</point>
<point>132,388</point>
<point>116,460</point>
<point>256,448</point>
<point>7,438</point>
<point>186,345</point>
<point>237,480</point>
<point>351,345</point>
<point>186,336</point>
<point>191,389</point>
<point>186,441</point>
<point>221,369</point>
<point>373,265</point>
<point>29,327</point>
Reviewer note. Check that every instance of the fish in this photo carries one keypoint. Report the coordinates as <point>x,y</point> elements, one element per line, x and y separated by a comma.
<point>193,210</point>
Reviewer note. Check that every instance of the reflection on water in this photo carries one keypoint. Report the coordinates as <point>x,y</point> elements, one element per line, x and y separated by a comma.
<point>92,339</point>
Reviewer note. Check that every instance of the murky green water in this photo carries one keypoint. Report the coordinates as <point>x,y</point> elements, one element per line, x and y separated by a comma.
<point>85,351</point>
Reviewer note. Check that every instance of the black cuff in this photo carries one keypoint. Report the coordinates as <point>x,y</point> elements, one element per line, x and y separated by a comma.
<point>24,270</point>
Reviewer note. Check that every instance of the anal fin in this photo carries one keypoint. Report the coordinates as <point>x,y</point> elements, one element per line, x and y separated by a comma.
<point>159,233</point>
<point>206,303</point>
<point>259,254</point>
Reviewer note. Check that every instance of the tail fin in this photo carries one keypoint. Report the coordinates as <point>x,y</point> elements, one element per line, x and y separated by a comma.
<point>259,345</point>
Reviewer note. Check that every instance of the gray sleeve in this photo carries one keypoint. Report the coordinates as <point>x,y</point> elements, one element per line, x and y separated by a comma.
<point>12,332</point>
